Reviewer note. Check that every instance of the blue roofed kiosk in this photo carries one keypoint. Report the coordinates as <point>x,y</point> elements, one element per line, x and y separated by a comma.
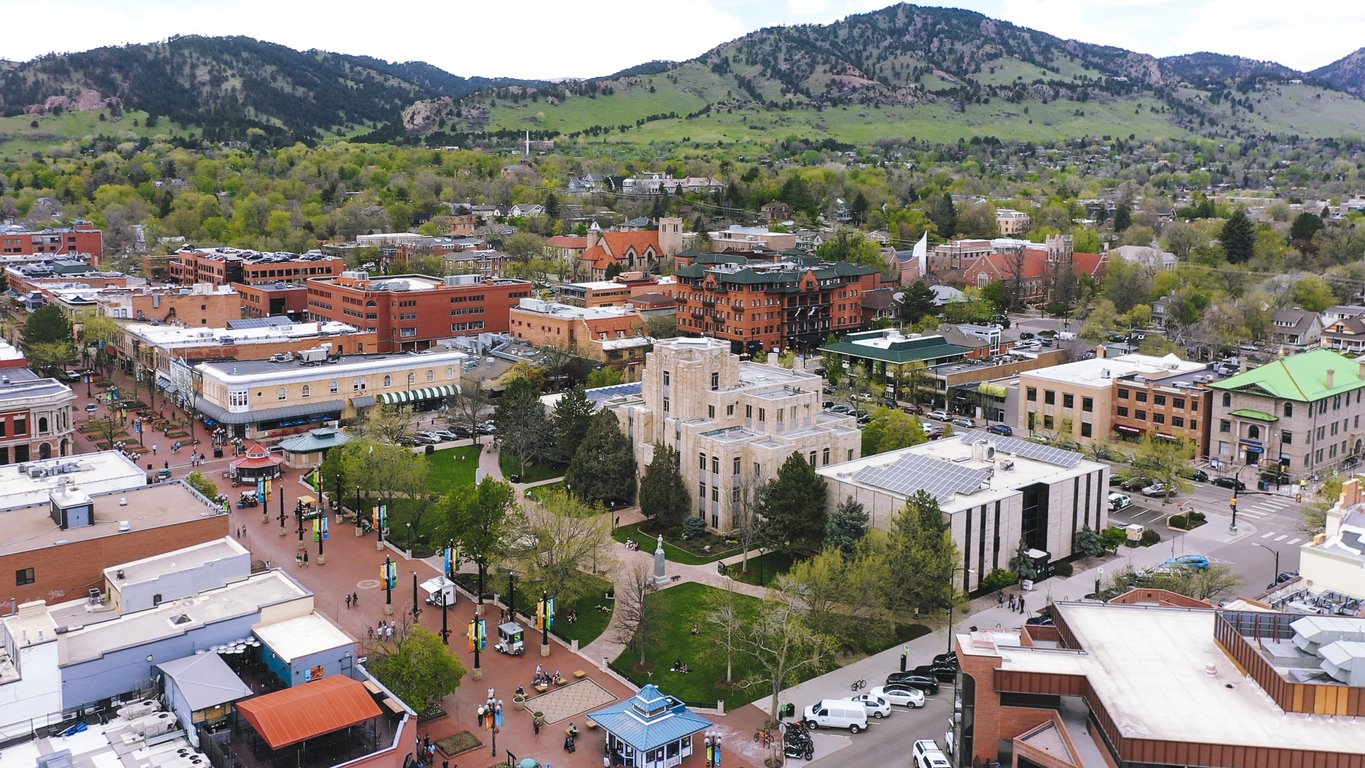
<point>649,730</point>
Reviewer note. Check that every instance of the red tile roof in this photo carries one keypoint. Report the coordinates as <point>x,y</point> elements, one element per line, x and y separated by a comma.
<point>567,241</point>
<point>617,243</point>
<point>309,710</point>
<point>1092,264</point>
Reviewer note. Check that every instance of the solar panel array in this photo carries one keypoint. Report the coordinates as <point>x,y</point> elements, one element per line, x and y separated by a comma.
<point>913,472</point>
<point>1024,448</point>
<point>258,322</point>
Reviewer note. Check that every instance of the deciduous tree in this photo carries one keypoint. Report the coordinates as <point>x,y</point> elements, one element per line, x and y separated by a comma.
<point>640,622</point>
<point>417,667</point>
<point>556,540</point>
<point>479,519</point>
<point>520,422</point>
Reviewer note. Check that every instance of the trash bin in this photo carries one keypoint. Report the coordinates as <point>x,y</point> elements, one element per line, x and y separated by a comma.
<point>217,453</point>
<point>1263,485</point>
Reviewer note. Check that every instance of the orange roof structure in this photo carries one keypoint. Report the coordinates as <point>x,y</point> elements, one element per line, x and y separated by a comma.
<point>309,710</point>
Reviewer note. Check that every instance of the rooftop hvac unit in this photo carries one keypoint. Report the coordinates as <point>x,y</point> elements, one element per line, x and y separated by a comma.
<point>1006,465</point>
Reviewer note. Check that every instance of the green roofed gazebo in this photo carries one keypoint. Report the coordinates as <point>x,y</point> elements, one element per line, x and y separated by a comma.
<point>649,730</point>
<point>417,395</point>
<point>309,449</point>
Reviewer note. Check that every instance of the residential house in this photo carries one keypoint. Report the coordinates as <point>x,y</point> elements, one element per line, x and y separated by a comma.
<point>526,209</point>
<point>1296,327</point>
<point>1346,336</point>
<point>880,304</point>
<point>1153,260</point>
<point>1011,222</point>
<point>777,212</point>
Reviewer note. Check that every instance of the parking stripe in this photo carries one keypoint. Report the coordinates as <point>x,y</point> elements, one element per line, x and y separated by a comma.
<point>1267,534</point>
<point>1282,537</point>
<point>1293,541</point>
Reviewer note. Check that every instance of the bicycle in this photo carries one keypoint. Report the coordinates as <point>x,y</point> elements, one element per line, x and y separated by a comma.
<point>858,685</point>
<point>765,736</point>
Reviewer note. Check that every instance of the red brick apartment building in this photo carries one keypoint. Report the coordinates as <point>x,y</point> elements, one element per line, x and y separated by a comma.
<point>80,237</point>
<point>411,312</point>
<point>273,299</point>
<point>224,266</point>
<point>202,305</point>
<point>1175,407</point>
<point>780,305</point>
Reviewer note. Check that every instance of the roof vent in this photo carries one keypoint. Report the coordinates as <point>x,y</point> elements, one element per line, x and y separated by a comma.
<point>1211,669</point>
<point>1331,377</point>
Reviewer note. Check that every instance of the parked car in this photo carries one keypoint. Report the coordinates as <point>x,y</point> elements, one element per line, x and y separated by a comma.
<point>445,434</point>
<point>940,415</point>
<point>1136,484</point>
<point>1286,576</point>
<point>844,409</point>
<point>836,713</point>
<point>946,658</point>
<point>71,376</point>
<point>877,706</point>
<point>900,695</point>
<point>944,673</point>
<point>1195,562</point>
<point>407,441</point>
<point>1119,502</point>
<point>866,418</point>
<point>433,436</point>
<point>927,755</point>
<point>1045,341</point>
<point>1000,429</point>
<point>963,421</point>
<point>912,680</point>
<point>1155,489</point>
<point>1230,482</point>
<point>933,431</point>
<point>1026,335</point>
<point>912,408</point>
<point>1200,476</point>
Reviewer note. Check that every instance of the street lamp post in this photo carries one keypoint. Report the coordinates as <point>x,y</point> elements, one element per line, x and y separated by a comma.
<point>388,586</point>
<point>416,604</point>
<point>544,622</point>
<point>952,594</point>
<point>1237,486</point>
<point>1275,552</point>
<point>492,709</point>
<point>712,740</point>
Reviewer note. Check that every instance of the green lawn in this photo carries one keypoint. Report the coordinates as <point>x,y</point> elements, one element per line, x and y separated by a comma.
<point>768,567</point>
<point>685,605</point>
<point>532,493</point>
<point>591,621</point>
<point>452,468</point>
<point>534,472</point>
<point>650,543</point>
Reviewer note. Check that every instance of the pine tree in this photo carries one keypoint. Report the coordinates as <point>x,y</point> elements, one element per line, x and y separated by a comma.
<point>663,494</point>
<point>847,527</point>
<point>572,417</point>
<point>1022,563</point>
<point>919,302</point>
<point>794,508</point>
<point>1123,218</point>
<point>922,555</point>
<point>1238,237</point>
<point>47,324</point>
<point>603,466</point>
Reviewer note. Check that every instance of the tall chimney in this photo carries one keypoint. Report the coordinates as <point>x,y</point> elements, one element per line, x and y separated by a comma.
<point>1331,376</point>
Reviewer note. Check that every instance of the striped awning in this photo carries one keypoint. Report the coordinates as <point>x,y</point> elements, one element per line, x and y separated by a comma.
<point>413,395</point>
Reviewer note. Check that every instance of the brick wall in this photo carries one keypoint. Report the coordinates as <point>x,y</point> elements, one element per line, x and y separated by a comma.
<point>65,572</point>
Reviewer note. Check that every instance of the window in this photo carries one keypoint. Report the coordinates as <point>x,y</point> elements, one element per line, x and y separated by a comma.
<point>1254,432</point>
<point>388,381</point>
<point>762,415</point>
<point>1158,418</point>
<point>665,378</point>
<point>282,394</point>
<point>710,411</point>
<point>1068,401</point>
<point>812,458</point>
<point>1194,424</point>
<point>1142,397</point>
<point>1321,432</point>
<point>1140,415</point>
<point>360,384</point>
<point>24,576</point>
<point>702,460</point>
<point>408,332</point>
<point>1122,411</point>
<point>730,410</point>
<point>1047,421</point>
<point>736,465</point>
<point>333,388</point>
<point>307,391</point>
<point>1085,429</point>
<point>431,375</point>
<point>702,491</point>
<point>1225,426</point>
<point>715,381</point>
<point>826,457</point>
<point>1088,404</point>
<point>412,378</point>
<point>1286,438</point>
<point>748,411</point>
<point>1223,449</point>
<point>1032,394</point>
<point>1194,405</point>
<point>1178,402</point>
<point>1227,399</point>
<point>665,405</point>
<point>1032,419</point>
<point>1049,397</point>
<point>42,426</point>
<point>1123,394</point>
<point>715,465</point>
<point>1178,421</point>
<point>237,398</point>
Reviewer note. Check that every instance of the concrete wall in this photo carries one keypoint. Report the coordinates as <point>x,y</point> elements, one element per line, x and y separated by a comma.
<point>38,691</point>
<point>172,586</point>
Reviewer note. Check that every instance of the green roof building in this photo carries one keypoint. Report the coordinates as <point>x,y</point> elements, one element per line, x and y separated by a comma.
<point>1301,414</point>
<point>889,347</point>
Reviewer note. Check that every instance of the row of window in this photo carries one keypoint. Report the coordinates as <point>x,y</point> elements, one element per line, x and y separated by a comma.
<point>1157,417</point>
<point>1068,399</point>
<point>1177,403</point>
<point>240,398</point>
<point>1321,405</point>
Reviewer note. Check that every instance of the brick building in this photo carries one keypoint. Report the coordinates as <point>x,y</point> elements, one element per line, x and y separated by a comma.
<point>35,417</point>
<point>201,304</point>
<point>410,312</point>
<point>612,335</point>
<point>732,422</point>
<point>273,299</point>
<point>1079,401</point>
<point>781,305</point>
<point>224,266</point>
<point>80,238</point>
<point>61,523</point>
<point>1178,405</point>
<point>630,251</point>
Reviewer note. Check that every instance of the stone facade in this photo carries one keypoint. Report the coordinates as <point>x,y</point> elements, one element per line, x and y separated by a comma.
<point>732,423</point>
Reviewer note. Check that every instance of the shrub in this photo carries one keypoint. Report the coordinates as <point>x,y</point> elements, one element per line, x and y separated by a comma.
<point>1150,537</point>
<point>200,482</point>
<point>999,579</point>
<point>1178,521</point>
<point>1063,569</point>
<point>693,527</point>
<point>1113,537</point>
<point>675,532</point>
<point>1195,518</point>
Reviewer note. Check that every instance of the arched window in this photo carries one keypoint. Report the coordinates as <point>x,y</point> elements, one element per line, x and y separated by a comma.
<point>1254,432</point>
<point>333,387</point>
<point>450,373</point>
<point>431,375</point>
<point>1288,410</point>
<point>42,426</point>
<point>388,381</point>
<point>1227,399</point>
<point>412,377</point>
<point>44,451</point>
<point>282,393</point>
<point>307,390</point>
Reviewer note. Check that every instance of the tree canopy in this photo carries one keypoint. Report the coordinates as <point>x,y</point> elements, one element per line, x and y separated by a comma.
<point>794,508</point>
<point>663,494</point>
<point>603,466</point>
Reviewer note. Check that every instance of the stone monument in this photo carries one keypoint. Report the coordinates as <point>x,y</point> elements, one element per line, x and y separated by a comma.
<point>660,578</point>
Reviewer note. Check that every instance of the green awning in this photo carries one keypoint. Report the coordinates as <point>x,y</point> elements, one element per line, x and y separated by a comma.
<point>413,395</point>
<point>992,389</point>
<point>1247,413</point>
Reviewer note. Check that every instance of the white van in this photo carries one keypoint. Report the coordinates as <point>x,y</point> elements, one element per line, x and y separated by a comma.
<point>1066,336</point>
<point>928,755</point>
<point>835,713</point>
<point>1119,501</point>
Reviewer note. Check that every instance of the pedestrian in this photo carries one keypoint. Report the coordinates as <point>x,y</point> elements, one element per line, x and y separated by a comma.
<point>167,465</point>
<point>305,557</point>
<point>298,560</point>
<point>153,449</point>
<point>355,598</point>
<point>1011,601</point>
<point>348,602</point>
<point>606,761</point>
<point>535,723</point>
<point>1021,603</point>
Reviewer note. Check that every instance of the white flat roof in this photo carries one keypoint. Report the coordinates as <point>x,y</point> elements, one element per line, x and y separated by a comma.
<point>1146,664</point>
<point>156,566</point>
<point>174,336</point>
<point>94,473</point>
<point>301,636</point>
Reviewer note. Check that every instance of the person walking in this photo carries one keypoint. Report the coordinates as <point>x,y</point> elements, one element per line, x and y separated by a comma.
<point>153,449</point>
<point>1021,603</point>
<point>355,599</point>
<point>305,558</point>
<point>348,601</point>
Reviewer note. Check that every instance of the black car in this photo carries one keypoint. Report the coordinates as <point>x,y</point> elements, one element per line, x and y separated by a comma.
<point>1200,476</point>
<point>1136,483</point>
<point>1026,335</point>
<point>946,658</point>
<point>912,680</point>
<point>1230,482</point>
<point>944,673</point>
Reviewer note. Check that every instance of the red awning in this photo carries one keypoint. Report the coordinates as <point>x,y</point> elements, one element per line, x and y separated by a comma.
<point>309,710</point>
<point>257,462</point>
<point>1127,430</point>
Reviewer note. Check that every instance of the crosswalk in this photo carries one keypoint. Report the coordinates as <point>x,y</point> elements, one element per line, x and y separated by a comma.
<point>1281,537</point>
<point>1263,506</point>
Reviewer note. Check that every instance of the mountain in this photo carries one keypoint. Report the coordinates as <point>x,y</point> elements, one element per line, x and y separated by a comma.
<point>1346,73</point>
<point>438,80</point>
<point>226,85</point>
<point>904,70</point>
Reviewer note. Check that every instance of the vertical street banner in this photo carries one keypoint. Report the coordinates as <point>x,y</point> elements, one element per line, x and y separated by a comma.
<point>483,634</point>
<point>550,613</point>
<point>473,634</point>
<point>320,528</point>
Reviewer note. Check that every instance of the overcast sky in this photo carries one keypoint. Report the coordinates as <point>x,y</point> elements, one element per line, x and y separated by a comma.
<point>586,38</point>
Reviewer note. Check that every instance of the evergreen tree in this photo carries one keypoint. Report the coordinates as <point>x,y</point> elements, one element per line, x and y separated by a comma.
<point>922,555</point>
<point>1022,563</point>
<point>1088,542</point>
<point>919,302</point>
<point>46,325</point>
<point>1238,237</point>
<point>1305,226</point>
<point>793,510</point>
<point>663,494</point>
<point>552,207</point>
<point>847,527</point>
<point>1123,218</point>
<point>603,466</point>
<point>571,418</point>
<point>944,215</point>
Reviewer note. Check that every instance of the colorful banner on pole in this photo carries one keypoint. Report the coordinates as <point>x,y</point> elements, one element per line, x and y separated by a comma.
<point>389,573</point>
<point>320,528</point>
<point>260,489</point>
<point>551,617</point>
<point>483,634</point>
<point>267,490</point>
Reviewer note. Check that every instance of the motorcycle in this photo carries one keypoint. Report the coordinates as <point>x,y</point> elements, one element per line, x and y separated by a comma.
<point>796,742</point>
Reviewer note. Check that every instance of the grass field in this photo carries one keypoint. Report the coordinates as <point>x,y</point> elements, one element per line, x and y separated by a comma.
<point>592,621</point>
<point>18,137</point>
<point>768,567</point>
<point>452,468</point>
<point>534,472</point>
<point>649,543</point>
